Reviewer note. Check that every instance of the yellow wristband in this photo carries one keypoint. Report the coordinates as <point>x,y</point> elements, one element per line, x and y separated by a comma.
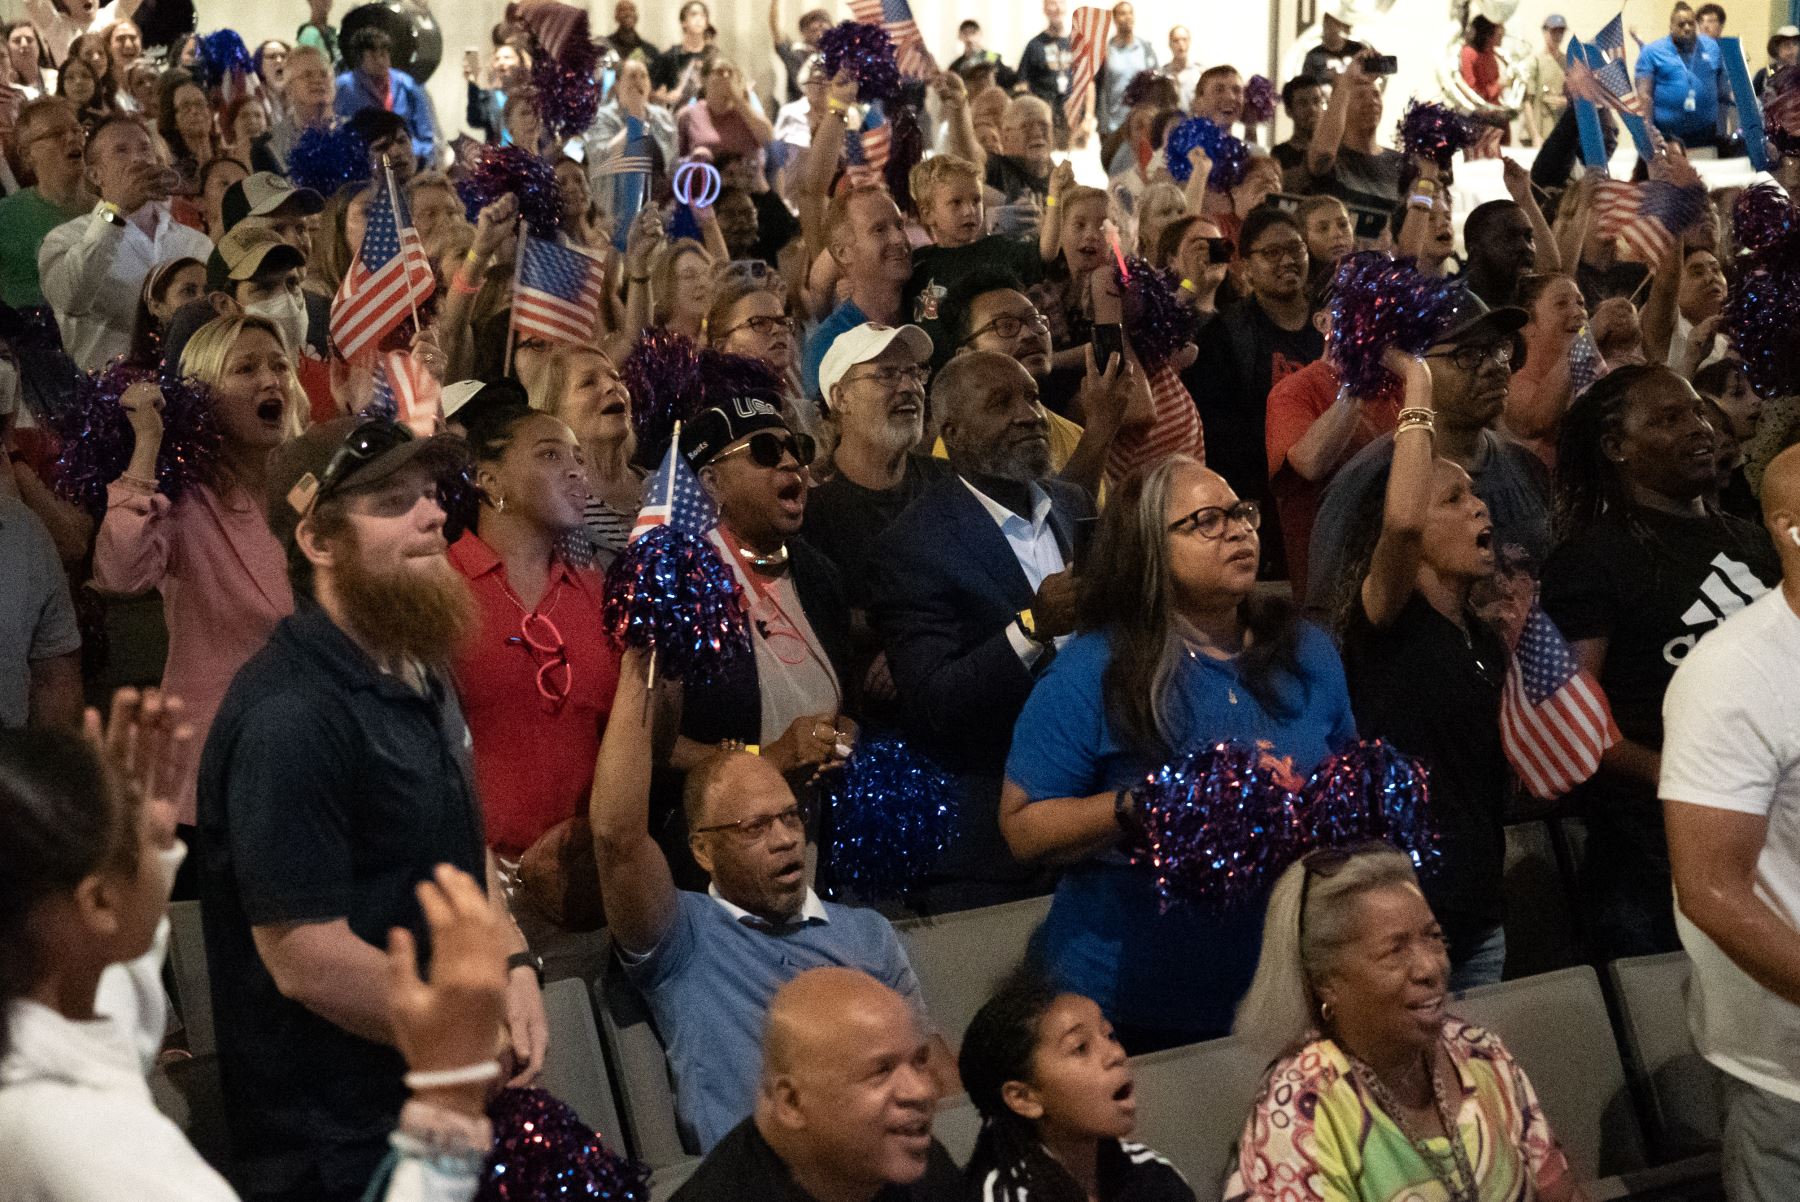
<point>1049,202</point>
<point>1188,286</point>
<point>833,104</point>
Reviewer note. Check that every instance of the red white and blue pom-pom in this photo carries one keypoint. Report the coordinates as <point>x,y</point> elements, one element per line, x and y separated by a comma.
<point>1762,304</point>
<point>1230,157</point>
<point>222,57</point>
<point>542,1150</point>
<point>1259,100</point>
<point>1380,302</point>
<point>662,374</point>
<point>867,53</point>
<point>889,814</point>
<point>1155,319</point>
<point>97,440</point>
<point>1216,826</point>
<point>328,159</point>
<point>1436,132</point>
<point>503,170</point>
<point>1370,791</point>
<point>565,84</point>
<point>669,594</point>
<point>1763,218</point>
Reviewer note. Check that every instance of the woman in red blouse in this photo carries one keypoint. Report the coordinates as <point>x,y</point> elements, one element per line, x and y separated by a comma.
<point>1480,60</point>
<point>536,682</point>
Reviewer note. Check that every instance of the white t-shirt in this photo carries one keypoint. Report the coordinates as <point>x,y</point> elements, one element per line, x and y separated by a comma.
<point>1731,719</point>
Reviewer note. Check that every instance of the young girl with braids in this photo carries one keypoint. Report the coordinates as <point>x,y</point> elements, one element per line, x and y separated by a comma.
<point>1644,567</point>
<point>1057,1108</point>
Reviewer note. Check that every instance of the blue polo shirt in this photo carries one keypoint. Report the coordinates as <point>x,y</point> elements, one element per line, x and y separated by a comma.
<point>1106,936</point>
<point>1676,74</point>
<point>845,317</point>
<point>710,980</point>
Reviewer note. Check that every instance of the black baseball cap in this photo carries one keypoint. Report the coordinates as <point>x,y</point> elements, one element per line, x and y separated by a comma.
<point>708,433</point>
<point>1472,322</point>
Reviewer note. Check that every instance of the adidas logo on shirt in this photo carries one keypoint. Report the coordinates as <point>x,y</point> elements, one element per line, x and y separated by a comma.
<point>1729,587</point>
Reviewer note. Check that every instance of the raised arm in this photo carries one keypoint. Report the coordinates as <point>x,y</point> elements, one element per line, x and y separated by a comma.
<point>1328,135</point>
<point>1395,564</point>
<point>959,125</point>
<point>132,549</point>
<point>634,874</point>
<point>1518,186</point>
<point>1060,830</point>
<point>822,163</point>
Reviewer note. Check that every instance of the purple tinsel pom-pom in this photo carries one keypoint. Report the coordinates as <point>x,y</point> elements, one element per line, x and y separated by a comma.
<point>1158,323</point>
<point>1259,100</point>
<point>220,56</point>
<point>867,52</point>
<point>669,594</point>
<point>1763,218</point>
<point>662,374</point>
<point>1380,302</point>
<point>1436,132</point>
<point>1762,306</point>
<point>1366,792</point>
<point>1217,825</point>
<point>566,85</point>
<point>542,1150</point>
<point>1229,155</point>
<point>326,160</point>
<point>511,169</point>
<point>890,815</point>
<point>97,440</point>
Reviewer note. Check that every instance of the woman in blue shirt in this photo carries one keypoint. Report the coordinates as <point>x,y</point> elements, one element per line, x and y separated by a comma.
<point>1176,653</point>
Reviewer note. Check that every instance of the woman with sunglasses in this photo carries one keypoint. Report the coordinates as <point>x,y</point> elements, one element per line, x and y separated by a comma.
<point>222,575</point>
<point>581,387</point>
<point>1175,650</point>
<point>537,679</point>
<point>1644,567</point>
<point>1426,671</point>
<point>1379,1092</point>
<point>748,317</point>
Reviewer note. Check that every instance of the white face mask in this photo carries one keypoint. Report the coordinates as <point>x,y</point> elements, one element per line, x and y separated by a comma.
<point>288,312</point>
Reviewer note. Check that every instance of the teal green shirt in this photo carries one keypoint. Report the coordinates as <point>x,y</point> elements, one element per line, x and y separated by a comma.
<point>25,218</point>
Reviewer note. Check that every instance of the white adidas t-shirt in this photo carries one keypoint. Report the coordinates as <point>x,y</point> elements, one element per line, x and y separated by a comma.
<point>1731,720</point>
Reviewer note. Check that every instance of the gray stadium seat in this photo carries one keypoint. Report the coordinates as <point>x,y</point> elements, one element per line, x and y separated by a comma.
<point>1556,1026</point>
<point>641,1071</point>
<point>666,1180</point>
<point>960,957</point>
<point>956,1126</point>
<point>193,985</point>
<point>1686,1094</point>
<point>1540,931</point>
<point>575,1069</point>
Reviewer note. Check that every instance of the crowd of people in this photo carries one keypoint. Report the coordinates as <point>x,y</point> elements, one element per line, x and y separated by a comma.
<point>1054,483</point>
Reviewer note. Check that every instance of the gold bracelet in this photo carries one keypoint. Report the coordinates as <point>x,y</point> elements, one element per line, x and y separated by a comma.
<point>1416,423</point>
<point>1417,413</point>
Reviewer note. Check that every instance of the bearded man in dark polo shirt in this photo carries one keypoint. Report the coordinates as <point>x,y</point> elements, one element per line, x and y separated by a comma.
<point>334,779</point>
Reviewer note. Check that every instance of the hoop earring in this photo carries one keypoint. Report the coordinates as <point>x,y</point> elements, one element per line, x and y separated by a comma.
<point>1325,1009</point>
<point>499,504</point>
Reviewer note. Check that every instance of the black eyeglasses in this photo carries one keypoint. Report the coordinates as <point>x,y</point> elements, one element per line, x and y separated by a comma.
<point>762,327</point>
<point>1470,358</point>
<point>755,830</point>
<point>362,446</point>
<point>1209,521</point>
<point>1010,325</point>
<point>767,449</point>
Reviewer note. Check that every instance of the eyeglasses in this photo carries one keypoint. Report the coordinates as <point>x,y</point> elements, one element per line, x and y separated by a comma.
<point>762,327</point>
<point>555,676</point>
<point>1295,251</point>
<point>767,449</point>
<point>362,446</point>
<point>75,131</point>
<point>894,378</point>
<point>1010,325</point>
<point>1470,358</point>
<point>755,830</point>
<point>1209,521</point>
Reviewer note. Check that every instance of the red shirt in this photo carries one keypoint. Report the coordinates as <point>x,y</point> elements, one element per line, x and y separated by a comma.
<point>1297,401</point>
<point>1481,71</point>
<point>534,761</point>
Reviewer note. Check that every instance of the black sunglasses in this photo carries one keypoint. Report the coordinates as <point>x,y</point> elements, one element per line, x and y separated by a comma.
<point>767,449</point>
<point>361,447</point>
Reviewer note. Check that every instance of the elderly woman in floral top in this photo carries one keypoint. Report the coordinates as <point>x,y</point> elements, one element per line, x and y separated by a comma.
<point>1381,1093</point>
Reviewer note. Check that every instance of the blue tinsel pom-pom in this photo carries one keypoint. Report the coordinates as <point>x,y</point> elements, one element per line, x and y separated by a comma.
<point>669,594</point>
<point>1230,157</point>
<point>326,160</point>
<point>543,1151</point>
<point>891,815</point>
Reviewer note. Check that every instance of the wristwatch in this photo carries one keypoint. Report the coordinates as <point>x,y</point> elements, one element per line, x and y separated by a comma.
<point>526,959</point>
<point>1027,622</point>
<point>109,213</point>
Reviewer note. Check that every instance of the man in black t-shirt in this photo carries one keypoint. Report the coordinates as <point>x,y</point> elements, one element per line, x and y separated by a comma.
<point>844,1108</point>
<point>335,778</point>
<point>624,39</point>
<point>1021,173</point>
<point>1344,159</point>
<point>1047,66</point>
<point>1303,98</point>
<point>1254,345</point>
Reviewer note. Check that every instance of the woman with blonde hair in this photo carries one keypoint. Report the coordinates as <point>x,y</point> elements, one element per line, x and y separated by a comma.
<point>581,386</point>
<point>221,573</point>
<point>1379,1091</point>
<point>681,287</point>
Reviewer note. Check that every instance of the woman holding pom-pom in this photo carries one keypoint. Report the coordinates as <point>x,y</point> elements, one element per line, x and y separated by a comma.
<point>222,575</point>
<point>1426,671</point>
<point>1176,652</point>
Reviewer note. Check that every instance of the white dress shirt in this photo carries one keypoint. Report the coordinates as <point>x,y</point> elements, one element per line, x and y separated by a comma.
<point>92,272</point>
<point>1034,545</point>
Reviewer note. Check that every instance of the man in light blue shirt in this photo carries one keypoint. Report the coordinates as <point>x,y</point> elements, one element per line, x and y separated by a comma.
<point>1126,55</point>
<point>372,82</point>
<point>1680,78</point>
<point>710,963</point>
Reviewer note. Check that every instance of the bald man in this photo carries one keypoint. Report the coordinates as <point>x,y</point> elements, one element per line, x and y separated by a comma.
<point>1730,789</point>
<point>843,1108</point>
<point>710,964</point>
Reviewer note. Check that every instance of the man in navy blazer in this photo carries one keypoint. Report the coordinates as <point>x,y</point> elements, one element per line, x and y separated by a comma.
<point>974,586</point>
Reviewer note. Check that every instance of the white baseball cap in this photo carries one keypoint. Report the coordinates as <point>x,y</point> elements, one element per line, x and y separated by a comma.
<point>859,344</point>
